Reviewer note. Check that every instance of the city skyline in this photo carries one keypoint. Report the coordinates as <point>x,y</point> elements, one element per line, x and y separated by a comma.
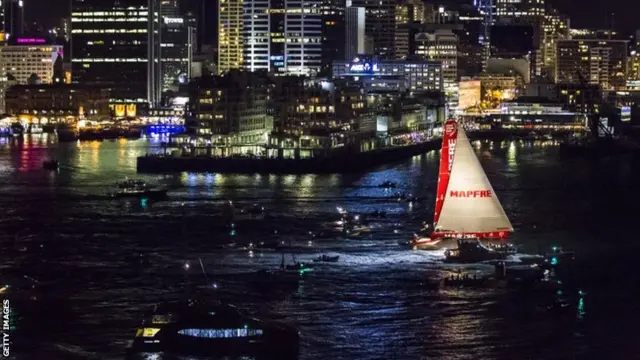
<point>49,13</point>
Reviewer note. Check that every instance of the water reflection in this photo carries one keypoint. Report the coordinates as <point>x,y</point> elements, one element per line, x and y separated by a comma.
<point>512,156</point>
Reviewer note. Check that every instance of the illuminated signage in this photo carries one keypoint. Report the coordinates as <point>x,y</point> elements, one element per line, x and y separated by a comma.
<point>168,20</point>
<point>364,67</point>
<point>31,41</point>
<point>625,114</point>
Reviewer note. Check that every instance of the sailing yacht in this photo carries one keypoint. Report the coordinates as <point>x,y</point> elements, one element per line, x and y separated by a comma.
<point>466,205</point>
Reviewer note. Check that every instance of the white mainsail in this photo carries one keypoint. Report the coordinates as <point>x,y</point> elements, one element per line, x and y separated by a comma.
<point>470,204</point>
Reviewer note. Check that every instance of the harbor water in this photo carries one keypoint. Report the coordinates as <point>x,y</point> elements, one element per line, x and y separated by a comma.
<point>100,263</point>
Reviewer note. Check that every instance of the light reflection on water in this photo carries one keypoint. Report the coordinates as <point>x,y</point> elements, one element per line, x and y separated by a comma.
<point>368,306</point>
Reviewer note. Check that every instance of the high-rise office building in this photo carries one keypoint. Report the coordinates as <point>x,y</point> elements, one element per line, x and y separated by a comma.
<point>381,26</point>
<point>354,31</point>
<point>596,61</point>
<point>12,18</point>
<point>230,35</point>
<point>142,47</point>
<point>282,36</point>
<point>333,32</point>
<point>177,45</point>
<point>109,45</point>
<point>555,28</point>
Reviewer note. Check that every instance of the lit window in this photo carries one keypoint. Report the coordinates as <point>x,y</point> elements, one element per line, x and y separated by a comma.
<point>220,333</point>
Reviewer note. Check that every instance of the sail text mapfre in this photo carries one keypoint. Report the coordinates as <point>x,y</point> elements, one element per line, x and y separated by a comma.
<point>467,206</point>
<point>447,154</point>
<point>470,193</point>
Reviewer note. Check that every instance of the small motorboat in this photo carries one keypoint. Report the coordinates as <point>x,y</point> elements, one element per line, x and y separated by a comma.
<point>138,189</point>
<point>253,212</point>
<point>53,165</point>
<point>388,185</point>
<point>327,258</point>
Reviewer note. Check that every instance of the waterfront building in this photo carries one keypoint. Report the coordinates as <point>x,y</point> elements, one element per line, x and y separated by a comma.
<point>594,61</point>
<point>54,103</point>
<point>392,75</point>
<point>227,115</point>
<point>319,117</point>
<point>405,119</point>
<point>470,94</point>
<point>581,98</point>
<point>533,113</point>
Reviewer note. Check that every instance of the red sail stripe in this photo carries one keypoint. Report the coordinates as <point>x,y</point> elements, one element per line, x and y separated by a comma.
<point>449,137</point>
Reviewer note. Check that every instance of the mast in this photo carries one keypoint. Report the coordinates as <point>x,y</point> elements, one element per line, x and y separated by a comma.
<point>470,207</point>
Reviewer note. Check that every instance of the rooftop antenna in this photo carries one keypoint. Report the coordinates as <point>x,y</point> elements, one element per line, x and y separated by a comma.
<point>612,25</point>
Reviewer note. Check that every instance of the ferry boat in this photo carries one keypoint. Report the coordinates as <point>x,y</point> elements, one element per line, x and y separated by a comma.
<point>210,328</point>
<point>138,188</point>
<point>466,205</point>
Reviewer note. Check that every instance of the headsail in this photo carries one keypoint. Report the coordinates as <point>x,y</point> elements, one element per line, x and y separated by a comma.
<point>470,206</point>
<point>446,161</point>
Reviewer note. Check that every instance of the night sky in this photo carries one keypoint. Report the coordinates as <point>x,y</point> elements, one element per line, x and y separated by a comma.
<point>48,12</point>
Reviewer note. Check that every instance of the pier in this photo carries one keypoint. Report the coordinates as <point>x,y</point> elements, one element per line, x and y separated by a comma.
<point>343,161</point>
<point>340,162</point>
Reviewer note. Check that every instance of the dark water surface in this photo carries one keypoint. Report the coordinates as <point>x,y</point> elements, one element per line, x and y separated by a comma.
<point>83,249</point>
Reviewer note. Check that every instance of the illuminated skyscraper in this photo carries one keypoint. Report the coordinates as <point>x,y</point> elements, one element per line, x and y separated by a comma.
<point>230,31</point>
<point>142,47</point>
<point>109,45</point>
<point>382,27</point>
<point>283,36</point>
<point>12,17</point>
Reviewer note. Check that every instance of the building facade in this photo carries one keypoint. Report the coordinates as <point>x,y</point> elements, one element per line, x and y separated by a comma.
<point>54,103</point>
<point>594,61</point>
<point>110,43</point>
<point>20,62</point>
<point>283,36</point>
<point>354,35</point>
<point>227,114</point>
<point>392,75</point>
<point>381,27</point>
<point>230,35</point>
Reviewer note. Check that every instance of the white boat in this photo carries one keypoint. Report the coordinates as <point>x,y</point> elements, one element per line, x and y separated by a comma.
<point>466,205</point>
